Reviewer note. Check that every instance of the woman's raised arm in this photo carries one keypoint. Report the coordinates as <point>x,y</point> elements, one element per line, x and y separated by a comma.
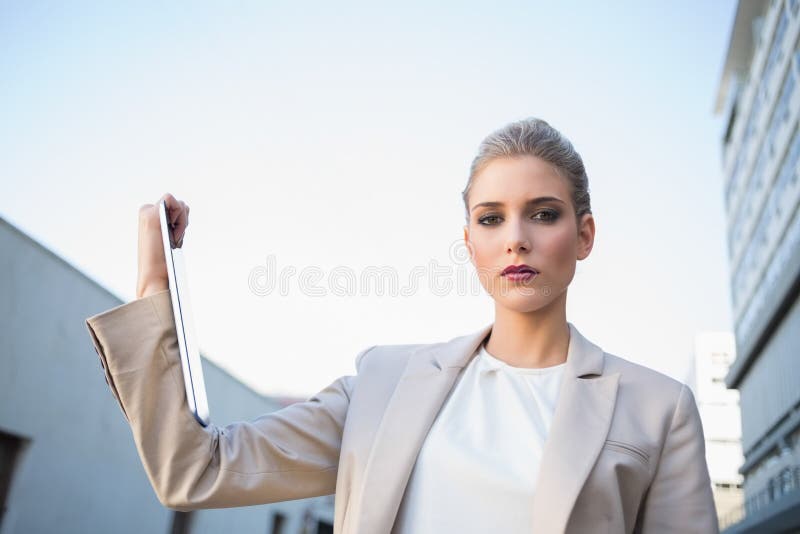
<point>288,454</point>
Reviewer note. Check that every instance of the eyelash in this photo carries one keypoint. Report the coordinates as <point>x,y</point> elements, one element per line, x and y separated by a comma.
<point>552,216</point>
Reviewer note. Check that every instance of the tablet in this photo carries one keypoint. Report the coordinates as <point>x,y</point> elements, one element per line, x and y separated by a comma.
<point>184,325</point>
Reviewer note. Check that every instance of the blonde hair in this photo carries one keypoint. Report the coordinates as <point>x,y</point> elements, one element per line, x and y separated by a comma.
<point>534,137</point>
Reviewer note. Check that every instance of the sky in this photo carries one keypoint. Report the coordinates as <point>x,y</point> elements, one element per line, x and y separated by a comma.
<point>333,139</point>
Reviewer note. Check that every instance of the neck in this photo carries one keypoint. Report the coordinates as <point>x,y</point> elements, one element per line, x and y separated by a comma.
<point>531,339</point>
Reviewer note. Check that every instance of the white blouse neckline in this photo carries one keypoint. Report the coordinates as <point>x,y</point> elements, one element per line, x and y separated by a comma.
<point>492,363</point>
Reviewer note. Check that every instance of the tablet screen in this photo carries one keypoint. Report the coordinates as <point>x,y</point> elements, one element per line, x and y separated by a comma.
<point>184,325</point>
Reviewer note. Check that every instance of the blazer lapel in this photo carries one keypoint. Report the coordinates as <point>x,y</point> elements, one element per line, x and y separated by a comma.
<point>580,425</point>
<point>419,395</point>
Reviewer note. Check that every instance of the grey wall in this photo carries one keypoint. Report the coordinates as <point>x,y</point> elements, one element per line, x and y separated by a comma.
<point>80,471</point>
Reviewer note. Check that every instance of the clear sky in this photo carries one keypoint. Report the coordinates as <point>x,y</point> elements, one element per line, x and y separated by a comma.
<point>335,137</point>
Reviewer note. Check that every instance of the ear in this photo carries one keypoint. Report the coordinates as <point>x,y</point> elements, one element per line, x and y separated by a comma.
<point>586,231</point>
<point>468,244</point>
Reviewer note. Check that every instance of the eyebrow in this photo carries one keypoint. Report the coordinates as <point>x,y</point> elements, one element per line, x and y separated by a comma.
<point>531,202</point>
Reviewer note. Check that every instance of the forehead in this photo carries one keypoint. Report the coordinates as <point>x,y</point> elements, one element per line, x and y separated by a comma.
<point>514,180</point>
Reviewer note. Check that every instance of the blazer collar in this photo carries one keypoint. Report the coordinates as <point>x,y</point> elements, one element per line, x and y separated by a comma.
<point>584,358</point>
<point>580,424</point>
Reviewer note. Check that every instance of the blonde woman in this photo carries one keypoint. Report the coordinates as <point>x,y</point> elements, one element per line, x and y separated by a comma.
<point>522,426</point>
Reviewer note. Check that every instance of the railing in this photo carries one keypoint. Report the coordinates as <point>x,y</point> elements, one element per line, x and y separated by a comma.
<point>784,483</point>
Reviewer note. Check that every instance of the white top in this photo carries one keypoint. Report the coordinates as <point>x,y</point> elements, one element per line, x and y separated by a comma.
<point>477,468</point>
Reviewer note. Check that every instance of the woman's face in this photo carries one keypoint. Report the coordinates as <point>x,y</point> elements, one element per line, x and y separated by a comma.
<point>531,221</point>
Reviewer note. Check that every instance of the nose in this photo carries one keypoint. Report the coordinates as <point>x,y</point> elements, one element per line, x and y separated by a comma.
<point>517,241</point>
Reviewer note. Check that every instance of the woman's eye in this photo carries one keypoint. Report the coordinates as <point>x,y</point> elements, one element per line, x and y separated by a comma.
<point>546,215</point>
<point>489,218</point>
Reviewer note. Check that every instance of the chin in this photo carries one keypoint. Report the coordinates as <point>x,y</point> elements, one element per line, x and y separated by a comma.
<point>527,299</point>
<point>523,300</point>
<point>522,305</point>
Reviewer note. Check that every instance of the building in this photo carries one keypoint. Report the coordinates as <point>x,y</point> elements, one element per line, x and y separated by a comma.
<point>719,410</point>
<point>68,462</point>
<point>759,99</point>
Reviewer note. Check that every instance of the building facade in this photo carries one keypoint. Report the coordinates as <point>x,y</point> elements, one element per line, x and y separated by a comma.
<point>719,410</point>
<point>68,462</point>
<point>759,99</point>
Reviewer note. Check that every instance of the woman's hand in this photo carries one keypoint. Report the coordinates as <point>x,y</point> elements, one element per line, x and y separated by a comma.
<point>152,275</point>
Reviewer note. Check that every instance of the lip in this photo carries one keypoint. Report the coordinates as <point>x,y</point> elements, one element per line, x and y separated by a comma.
<point>522,276</point>
<point>519,269</point>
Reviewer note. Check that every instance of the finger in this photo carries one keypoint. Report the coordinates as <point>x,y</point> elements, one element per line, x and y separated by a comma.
<point>181,217</point>
<point>173,208</point>
<point>148,213</point>
<point>185,214</point>
<point>183,222</point>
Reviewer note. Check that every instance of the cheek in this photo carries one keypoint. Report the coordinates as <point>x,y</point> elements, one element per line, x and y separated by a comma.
<point>559,245</point>
<point>479,258</point>
<point>482,249</point>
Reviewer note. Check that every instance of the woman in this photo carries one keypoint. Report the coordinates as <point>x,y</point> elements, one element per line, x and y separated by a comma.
<point>522,426</point>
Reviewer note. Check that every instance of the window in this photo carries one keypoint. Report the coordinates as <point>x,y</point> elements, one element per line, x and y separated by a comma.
<point>278,523</point>
<point>731,121</point>
<point>10,448</point>
<point>181,522</point>
<point>720,358</point>
<point>776,51</point>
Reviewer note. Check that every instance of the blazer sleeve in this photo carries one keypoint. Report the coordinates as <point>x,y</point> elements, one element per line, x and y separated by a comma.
<point>291,453</point>
<point>680,498</point>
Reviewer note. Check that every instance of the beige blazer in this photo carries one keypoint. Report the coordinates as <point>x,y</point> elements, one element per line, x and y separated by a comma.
<point>625,451</point>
